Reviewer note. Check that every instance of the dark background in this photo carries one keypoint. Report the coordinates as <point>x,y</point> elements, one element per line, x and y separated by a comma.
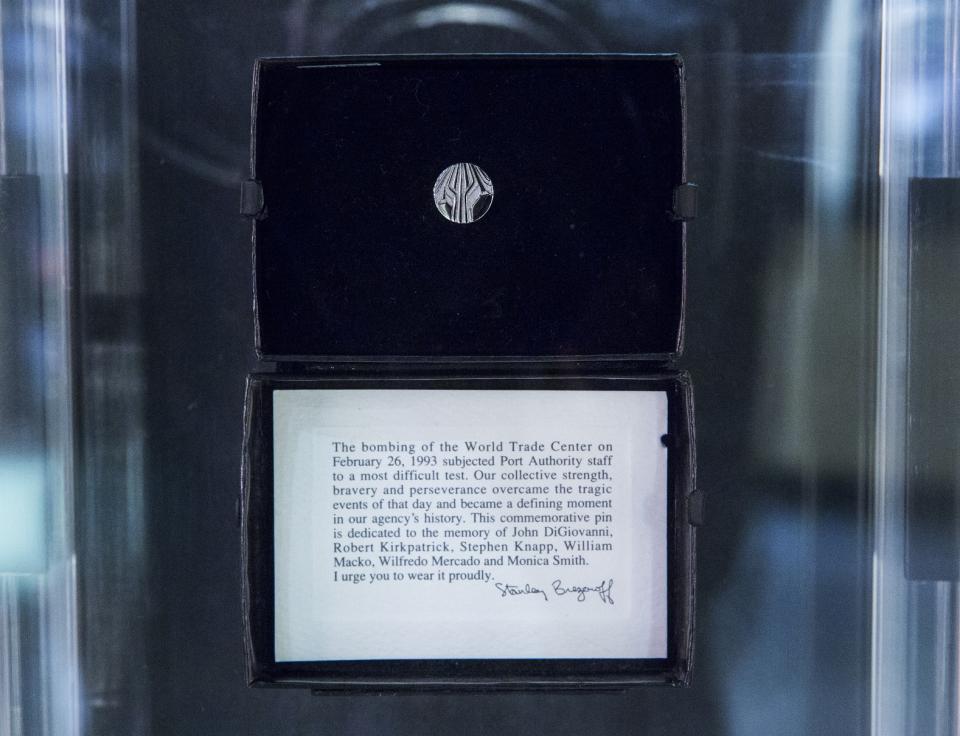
<point>778,325</point>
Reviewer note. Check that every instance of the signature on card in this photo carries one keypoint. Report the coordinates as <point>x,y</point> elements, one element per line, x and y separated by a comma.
<point>559,589</point>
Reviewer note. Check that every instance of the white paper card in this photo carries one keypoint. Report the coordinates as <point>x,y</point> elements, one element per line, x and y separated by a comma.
<point>436,524</point>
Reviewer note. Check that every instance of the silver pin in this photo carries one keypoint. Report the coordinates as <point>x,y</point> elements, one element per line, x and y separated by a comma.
<point>463,193</point>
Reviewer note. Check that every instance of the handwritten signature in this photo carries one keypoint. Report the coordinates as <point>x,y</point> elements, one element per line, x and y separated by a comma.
<point>603,590</point>
<point>508,589</point>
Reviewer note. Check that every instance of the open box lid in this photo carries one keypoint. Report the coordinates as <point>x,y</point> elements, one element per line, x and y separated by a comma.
<point>574,244</point>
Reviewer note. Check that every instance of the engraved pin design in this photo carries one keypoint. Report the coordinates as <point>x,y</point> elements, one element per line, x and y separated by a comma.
<point>463,193</point>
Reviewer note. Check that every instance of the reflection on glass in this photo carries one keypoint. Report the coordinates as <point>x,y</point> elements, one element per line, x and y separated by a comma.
<point>915,647</point>
<point>38,666</point>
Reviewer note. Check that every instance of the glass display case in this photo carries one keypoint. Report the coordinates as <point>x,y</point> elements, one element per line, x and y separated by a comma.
<point>820,338</point>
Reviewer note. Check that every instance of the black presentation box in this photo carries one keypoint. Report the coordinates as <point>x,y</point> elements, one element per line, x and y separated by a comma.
<point>577,248</point>
<point>437,215</point>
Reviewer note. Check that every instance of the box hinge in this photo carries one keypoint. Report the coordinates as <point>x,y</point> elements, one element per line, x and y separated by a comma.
<point>251,199</point>
<point>685,202</point>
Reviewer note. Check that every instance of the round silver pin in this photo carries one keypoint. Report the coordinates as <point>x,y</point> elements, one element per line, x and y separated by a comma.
<point>463,193</point>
